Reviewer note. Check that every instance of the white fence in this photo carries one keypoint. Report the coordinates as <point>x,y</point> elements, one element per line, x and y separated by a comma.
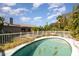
<point>4,38</point>
<point>8,37</point>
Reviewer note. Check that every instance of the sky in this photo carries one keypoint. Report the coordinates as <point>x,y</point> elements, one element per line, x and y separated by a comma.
<point>37,14</point>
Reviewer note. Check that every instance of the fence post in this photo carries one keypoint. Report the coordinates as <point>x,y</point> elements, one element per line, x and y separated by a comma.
<point>20,35</point>
<point>37,33</point>
<point>2,38</point>
<point>42,32</point>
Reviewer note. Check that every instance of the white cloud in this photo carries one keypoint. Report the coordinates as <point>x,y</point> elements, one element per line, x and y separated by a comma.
<point>10,4</point>
<point>61,9</point>
<point>58,10</point>
<point>2,14</point>
<point>54,5</point>
<point>6,9</point>
<point>37,18</point>
<point>17,11</point>
<point>51,5</point>
<point>53,15</point>
<point>24,19</point>
<point>36,5</point>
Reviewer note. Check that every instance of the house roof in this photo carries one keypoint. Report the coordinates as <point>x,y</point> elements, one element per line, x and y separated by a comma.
<point>18,25</point>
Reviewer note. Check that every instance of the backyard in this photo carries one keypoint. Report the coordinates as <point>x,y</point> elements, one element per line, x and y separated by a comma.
<point>21,39</point>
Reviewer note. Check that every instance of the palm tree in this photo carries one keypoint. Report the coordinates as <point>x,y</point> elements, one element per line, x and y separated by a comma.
<point>60,20</point>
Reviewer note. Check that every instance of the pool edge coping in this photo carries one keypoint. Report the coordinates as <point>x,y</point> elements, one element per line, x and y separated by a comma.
<point>11,51</point>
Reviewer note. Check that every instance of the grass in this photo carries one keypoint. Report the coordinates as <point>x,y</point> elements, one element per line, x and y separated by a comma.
<point>24,39</point>
<point>14,43</point>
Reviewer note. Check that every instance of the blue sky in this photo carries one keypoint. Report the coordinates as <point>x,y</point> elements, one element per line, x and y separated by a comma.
<point>34,13</point>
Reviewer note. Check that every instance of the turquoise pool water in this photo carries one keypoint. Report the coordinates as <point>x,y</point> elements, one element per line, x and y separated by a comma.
<point>46,47</point>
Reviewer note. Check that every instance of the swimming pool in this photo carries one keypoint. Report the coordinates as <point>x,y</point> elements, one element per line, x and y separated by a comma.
<point>46,47</point>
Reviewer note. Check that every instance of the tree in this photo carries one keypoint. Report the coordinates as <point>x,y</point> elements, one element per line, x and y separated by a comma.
<point>61,22</point>
<point>68,22</point>
<point>35,28</point>
<point>1,23</point>
<point>47,27</point>
<point>76,7</point>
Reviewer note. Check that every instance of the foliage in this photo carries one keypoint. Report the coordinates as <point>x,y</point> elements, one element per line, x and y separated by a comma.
<point>76,7</point>
<point>42,28</point>
<point>1,22</point>
<point>68,22</point>
<point>71,23</point>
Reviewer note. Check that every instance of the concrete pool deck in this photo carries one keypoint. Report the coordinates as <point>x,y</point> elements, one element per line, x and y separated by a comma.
<point>75,50</point>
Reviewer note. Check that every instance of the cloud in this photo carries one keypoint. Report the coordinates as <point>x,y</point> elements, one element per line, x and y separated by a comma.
<point>24,19</point>
<point>36,5</point>
<point>58,10</point>
<point>54,5</point>
<point>17,11</point>
<point>6,9</point>
<point>10,4</point>
<point>61,9</point>
<point>37,18</point>
<point>53,15</point>
<point>2,14</point>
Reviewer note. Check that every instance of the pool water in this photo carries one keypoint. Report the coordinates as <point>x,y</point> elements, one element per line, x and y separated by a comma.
<point>46,47</point>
